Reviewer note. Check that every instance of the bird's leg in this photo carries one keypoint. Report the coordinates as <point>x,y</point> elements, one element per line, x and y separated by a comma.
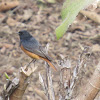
<point>33,60</point>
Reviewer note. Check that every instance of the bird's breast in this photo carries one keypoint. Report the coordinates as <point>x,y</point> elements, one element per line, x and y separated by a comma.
<point>32,55</point>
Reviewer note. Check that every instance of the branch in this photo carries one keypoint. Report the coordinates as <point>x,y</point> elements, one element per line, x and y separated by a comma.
<point>9,88</point>
<point>15,89</point>
<point>92,88</point>
<point>24,80</point>
<point>65,78</point>
<point>50,89</point>
<point>47,85</point>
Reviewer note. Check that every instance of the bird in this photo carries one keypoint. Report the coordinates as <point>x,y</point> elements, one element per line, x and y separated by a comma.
<point>33,48</point>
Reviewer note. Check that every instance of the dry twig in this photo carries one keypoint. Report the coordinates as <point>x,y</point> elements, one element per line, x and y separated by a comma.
<point>48,86</point>
<point>16,88</point>
<point>65,78</point>
<point>24,80</point>
<point>92,88</point>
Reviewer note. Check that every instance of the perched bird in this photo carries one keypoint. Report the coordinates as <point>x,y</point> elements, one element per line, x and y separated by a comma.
<point>33,48</point>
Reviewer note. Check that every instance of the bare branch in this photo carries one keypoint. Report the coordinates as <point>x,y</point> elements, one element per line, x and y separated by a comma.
<point>24,80</point>
<point>65,77</point>
<point>90,91</point>
<point>15,89</point>
<point>47,85</point>
<point>9,88</point>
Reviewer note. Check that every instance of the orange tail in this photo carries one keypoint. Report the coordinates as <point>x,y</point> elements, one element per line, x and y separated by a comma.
<point>51,65</point>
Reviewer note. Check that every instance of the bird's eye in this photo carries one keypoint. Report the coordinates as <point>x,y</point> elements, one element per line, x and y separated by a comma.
<point>20,33</point>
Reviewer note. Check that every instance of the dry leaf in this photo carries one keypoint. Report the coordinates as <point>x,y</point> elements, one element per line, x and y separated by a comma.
<point>77,27</point>
<point>95,48</point>
<point>4,6</point>
<point>92,15</point>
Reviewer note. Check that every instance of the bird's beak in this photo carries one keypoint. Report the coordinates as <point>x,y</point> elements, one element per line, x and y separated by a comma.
<point>17,33</point>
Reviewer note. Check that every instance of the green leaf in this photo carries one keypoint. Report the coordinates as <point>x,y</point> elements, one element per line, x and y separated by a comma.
<point>6,75</point>
<point>69,12</point>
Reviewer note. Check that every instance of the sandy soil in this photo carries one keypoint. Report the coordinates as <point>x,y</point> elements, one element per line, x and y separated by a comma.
<point>41,21</point>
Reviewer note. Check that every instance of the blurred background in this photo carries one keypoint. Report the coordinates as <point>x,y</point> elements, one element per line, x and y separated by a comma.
<point>41,18</point>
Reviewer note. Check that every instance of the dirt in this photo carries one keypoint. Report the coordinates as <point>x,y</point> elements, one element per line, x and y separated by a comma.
<point>41,20</point>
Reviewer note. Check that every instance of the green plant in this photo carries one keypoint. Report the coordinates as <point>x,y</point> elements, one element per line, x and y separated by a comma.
<point>69,12</point>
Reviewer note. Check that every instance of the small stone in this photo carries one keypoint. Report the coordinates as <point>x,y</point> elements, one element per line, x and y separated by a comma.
<point>11,22</point>
<point>8,46</point>
<point>30,89</point>
<point>3,50</point>
<point>27,14</point>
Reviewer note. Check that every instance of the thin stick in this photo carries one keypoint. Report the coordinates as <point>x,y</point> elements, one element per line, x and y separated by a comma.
<point>23,83</point>
<point>50,90</point>
<point>92,88</point>
<point>33,60</point>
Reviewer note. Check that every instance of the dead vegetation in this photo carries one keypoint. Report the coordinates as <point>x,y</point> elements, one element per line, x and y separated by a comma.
<point>41,20</point>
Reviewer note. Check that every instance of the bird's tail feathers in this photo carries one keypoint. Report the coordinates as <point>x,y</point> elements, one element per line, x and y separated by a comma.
<point>50,64</point>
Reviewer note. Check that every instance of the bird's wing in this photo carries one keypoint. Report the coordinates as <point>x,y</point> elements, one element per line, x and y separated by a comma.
<point>44,52</point>
<point>34,47</point>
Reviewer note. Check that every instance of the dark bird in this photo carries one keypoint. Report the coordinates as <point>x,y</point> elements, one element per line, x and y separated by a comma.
<point>33,48</point>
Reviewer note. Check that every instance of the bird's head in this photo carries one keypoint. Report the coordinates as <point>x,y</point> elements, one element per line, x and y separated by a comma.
<point>23,34</point>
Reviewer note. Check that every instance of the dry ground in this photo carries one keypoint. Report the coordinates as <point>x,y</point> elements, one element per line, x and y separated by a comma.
<point>41,21</point>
